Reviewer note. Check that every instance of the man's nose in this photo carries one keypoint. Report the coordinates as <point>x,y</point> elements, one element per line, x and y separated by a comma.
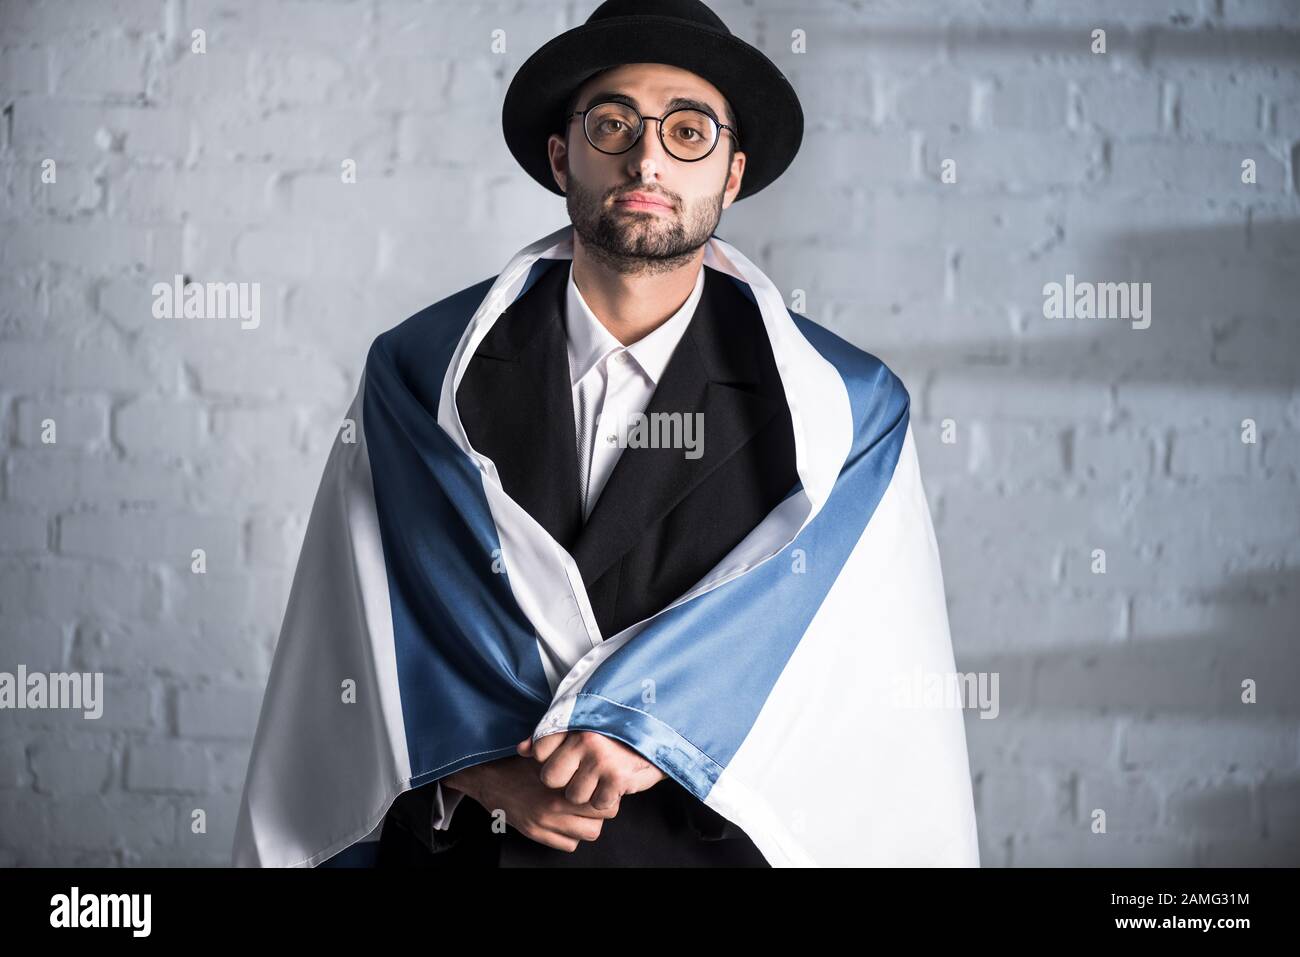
<point>647,157</point>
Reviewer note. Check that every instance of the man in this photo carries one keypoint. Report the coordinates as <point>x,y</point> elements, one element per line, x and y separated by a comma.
<point>527,629</point>
<point>647,157</point>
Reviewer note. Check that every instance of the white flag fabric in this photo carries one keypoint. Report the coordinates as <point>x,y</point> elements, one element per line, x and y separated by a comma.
<point>432,622</point>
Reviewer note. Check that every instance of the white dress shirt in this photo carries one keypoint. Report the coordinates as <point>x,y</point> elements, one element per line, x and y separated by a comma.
<point>610,383</point>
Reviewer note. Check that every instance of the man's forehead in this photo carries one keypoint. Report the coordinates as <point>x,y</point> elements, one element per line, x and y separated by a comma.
<point>701,101</point>
<point>684,85</point>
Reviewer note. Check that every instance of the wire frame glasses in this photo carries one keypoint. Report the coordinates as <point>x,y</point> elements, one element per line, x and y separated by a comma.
<point>687,134</point>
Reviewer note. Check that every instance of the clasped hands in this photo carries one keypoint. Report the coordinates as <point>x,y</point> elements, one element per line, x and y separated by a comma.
<point>562,789</point>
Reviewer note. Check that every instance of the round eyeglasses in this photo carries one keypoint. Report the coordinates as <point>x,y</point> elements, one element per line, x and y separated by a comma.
<point>686,134</point>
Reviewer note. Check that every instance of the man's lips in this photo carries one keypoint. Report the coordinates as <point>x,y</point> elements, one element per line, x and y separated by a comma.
<point>642,201</point>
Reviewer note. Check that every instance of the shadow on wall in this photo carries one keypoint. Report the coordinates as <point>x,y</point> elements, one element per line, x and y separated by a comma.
<point>1124,695</point>
<point>1152,731</point>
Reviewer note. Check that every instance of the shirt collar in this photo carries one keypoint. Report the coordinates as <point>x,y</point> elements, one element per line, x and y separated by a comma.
<point>589,340</point>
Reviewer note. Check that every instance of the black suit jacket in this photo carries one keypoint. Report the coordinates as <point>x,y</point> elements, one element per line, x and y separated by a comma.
<point>660,524</point>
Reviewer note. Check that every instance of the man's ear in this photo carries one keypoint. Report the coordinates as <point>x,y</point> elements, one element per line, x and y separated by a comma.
<point>558,153</point>
<point>735,176</point>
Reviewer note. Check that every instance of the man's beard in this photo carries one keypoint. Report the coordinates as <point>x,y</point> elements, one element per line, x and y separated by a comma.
<point>632,242</point>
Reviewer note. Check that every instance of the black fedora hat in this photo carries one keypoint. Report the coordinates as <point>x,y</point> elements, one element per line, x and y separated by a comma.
<point>680,33</point>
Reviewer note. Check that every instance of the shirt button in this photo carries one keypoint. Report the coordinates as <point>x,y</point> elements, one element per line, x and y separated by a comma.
<point>621,357</point>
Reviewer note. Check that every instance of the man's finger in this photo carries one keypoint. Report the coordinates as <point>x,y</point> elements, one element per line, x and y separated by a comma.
<point>545,746</point>
<point>590,810</point>
<point>606,794</point>
<point>577,826</point>
<point>553,839</point>
<point>558,769</point>
<point>583,784</point>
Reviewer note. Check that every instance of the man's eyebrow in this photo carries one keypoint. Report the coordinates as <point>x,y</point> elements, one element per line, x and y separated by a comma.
<point>673,104</point>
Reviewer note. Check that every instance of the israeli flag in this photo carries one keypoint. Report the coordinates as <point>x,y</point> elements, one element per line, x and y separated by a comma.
<point>433,623</point>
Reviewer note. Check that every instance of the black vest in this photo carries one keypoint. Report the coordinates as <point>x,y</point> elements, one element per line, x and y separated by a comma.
<point>662,522</point>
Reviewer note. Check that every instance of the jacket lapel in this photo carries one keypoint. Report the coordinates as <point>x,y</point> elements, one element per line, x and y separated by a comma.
<point>516,404</point>
<point>714,371</point>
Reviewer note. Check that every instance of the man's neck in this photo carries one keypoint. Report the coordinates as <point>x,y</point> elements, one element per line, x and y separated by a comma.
<point>633,305</point>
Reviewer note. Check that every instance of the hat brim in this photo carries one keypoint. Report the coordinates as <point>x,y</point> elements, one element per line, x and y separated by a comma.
<point>765,104</point>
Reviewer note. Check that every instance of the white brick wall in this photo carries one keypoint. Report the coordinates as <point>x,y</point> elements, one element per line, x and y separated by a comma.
<point>1118,692</point>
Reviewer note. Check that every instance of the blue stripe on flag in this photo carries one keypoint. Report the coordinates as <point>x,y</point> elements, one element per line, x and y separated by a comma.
<point>699,714</point>
<point>471,679</point>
